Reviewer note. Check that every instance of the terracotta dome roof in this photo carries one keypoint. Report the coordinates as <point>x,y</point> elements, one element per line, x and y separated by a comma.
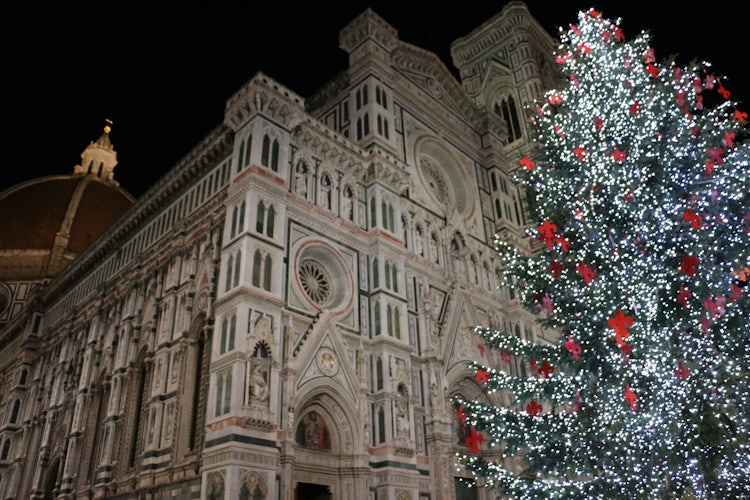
<point>47,222</point>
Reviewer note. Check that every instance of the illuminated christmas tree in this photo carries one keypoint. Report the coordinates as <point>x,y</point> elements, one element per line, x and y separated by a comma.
<point>640,193</point>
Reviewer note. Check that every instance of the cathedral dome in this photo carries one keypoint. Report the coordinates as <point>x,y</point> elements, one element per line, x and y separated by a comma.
<point>48,221</point>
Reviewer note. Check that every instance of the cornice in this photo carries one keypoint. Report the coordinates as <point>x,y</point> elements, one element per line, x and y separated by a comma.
<point>262,95</point>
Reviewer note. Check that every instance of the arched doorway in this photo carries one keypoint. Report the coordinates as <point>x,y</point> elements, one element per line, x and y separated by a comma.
<point>311,491</point>
<point>325,443</point>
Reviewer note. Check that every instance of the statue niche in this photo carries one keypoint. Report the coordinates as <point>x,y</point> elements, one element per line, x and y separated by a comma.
<point>259,386</point>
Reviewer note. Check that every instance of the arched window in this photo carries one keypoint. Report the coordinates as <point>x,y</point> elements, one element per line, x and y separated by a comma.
<point>275,156</point>
<point>260,218</point>
<point>270,221</point>
<point>256,268</point>
<point>227,392</point>
<point>506,108</point>
<point>373,213</point>
<point>232,332</point>
<point>265,150</point>
<point>223,393</point>
<point>241,156</point>
<point>15,411</point>
<point>195,389</point>
<point>379,373</point>
<point>250,492</point>
<point>262,268</point>
<point>237,261</point>
<point>267,273</point>
<point>376,313</point>
<point>140,383</point>
<point>228,281</point>
<point>241,222</point>
<point>6,450</point>
<point>233,229</point>
<point>247,150</point>
<point>397,322</point>
<point>381,424</point>
<point>265,219</point>
<point>224,334</point>
<point>215,489</point>
<point>375,273</point>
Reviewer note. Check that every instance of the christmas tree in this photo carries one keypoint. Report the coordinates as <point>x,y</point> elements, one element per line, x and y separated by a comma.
<point>640,196</point>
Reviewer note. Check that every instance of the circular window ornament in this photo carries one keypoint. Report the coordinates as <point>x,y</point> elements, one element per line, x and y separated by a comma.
<point>436,182</point>
<point>323,278</point>
<point>442,177</point>
<point>316,282</point>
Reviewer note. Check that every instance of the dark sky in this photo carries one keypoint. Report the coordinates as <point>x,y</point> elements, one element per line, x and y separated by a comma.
<point>163,71</point>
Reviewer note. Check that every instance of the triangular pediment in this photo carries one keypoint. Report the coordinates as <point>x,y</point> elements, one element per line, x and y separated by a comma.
<point>324,360</point>
<point>496,74</point>
<point>433,81</point>
<point>462,344</point>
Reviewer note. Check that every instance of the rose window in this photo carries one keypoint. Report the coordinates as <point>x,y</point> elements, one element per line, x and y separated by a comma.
<point>436,182</point>
<point>315,281</point>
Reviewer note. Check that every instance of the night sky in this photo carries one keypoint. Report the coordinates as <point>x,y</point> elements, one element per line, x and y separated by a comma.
<point>162,72</point>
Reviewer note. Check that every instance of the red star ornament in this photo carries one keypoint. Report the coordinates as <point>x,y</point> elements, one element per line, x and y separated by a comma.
<point>556,268</point>
<point>631,398</point>
<point>474,440</point>
<point>546,369</point>
<point>694,219</point>
<point>585,272</point>
<point>728,140</point>
<point>619,156</point>
<point>620,324</point>
<point>682,371</point>
<point>547,232</point>
<point>689,264</point>
<point>723,92</point>
<point>482,376</point>
<point>527,163</point>
<point>533,408</point>
<point>573,347</point>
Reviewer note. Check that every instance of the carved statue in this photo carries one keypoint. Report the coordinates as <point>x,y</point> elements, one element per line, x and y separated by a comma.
<point>259,389</point>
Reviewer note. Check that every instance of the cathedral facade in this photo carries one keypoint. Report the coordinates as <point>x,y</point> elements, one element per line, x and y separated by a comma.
<point>287,312</point>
